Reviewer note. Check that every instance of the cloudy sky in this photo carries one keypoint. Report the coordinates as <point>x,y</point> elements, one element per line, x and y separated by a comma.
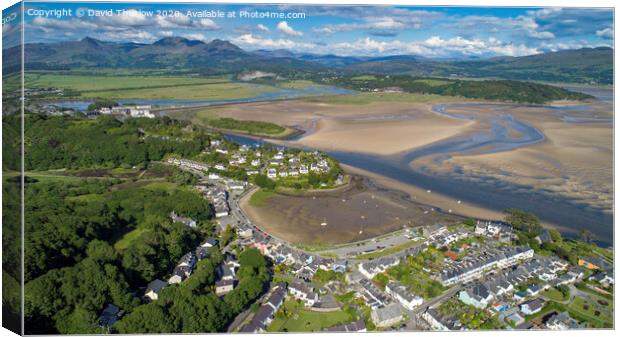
<point>341,30</point>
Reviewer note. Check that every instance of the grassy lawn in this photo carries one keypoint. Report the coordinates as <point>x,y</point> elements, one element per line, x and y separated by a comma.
<point>387,251</point>
<point>259,198</point>
<point>367,98</point>
<point>295,318</point>
<point>595,313</point>
<point>251,127</point>
<point>410,272</point>
<point>554,295</point>
<point>128,238</point>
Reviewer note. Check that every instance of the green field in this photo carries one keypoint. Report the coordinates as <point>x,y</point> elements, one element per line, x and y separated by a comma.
<point>251,127</point>
<point>148,87</point>
<point>367,98</point>
<point>432,81</point>
<point>259,198</point>
<point>129,238</point>
<point>596,314</point>
<point>554,294</point>
<point>293,317</point>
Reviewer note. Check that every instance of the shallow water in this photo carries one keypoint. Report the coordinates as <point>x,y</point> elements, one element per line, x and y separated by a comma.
<point>487,192</point>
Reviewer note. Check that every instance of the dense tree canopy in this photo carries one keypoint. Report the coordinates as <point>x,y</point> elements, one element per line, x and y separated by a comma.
<point>60,142</point>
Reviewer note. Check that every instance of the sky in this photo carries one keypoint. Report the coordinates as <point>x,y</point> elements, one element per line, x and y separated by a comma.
<point>435,32</point>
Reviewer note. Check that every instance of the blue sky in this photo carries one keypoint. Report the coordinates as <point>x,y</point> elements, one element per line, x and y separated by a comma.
<point>342,30</point>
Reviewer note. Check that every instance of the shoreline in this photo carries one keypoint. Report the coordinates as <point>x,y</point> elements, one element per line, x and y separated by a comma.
<point>383,212</point>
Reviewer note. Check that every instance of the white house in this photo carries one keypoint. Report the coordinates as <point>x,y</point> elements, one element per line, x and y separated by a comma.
<point>402,295</point>
<point>300,290</point>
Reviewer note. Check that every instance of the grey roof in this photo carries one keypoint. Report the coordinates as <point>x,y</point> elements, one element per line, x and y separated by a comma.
<point>277,297</point>
<point>262,315</point>
<point>109,315</point>
<point>534,304</point>
<point>156,286</point>
<point>211,241</point>
<point>223,283</point>
<point>480,291</point>
<point>388,312</point>
<point>248,328</point>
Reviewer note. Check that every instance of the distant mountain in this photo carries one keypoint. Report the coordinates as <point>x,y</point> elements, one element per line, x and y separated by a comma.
<point>171,53</point>
<point>583,65</point>
<point>177,54</point>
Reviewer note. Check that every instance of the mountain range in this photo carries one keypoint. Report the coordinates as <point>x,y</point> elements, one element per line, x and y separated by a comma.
<point>177,55</point>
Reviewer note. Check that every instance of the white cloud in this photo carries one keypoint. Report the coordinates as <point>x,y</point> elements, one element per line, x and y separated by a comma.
<point>436,47</point>
<point>128,18</point>
<point>166,33</point>
<point>381,23</point>
<point>62,24</point>
<point>607,33</point>
<point>251,41</point>
<point>288,30</point>
<point>197,36</point>
<point>131,35</point>
<point>545,13</point>
<point>207,24</point>
<point>262,28</point>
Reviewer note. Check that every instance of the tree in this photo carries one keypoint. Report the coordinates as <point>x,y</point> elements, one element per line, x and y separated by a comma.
<point>263,181</point>
<point>586,235</point>
<point>555,235</point>
<point>147,318</point>
<point>228,236</point>
<point>524,221</point>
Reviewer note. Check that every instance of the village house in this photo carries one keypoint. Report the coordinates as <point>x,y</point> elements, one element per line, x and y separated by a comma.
<point>533,306</point>
<point>563,321</point>
<point>479,296</point>
<point>186,221</point>
<point>434,230</point>
<point>373,296</point>
<point>224,286</point>
<point>605,278</point>
<point>593,263</point>
<point>265,314</point>
<point>402,295</point>
<point>272,173</point>
<point>465,271</point>
<point>302,291</point>
<point>386,316</point>
<point>109,316</point>
<point>154,288</point>
<point>210,242</point>
<point>372,268</point>
<point>438,322</point>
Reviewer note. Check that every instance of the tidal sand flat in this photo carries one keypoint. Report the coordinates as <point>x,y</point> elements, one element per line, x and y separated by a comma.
<point>362,211</point>
<point>381,128</point>
<point>574,159</point>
